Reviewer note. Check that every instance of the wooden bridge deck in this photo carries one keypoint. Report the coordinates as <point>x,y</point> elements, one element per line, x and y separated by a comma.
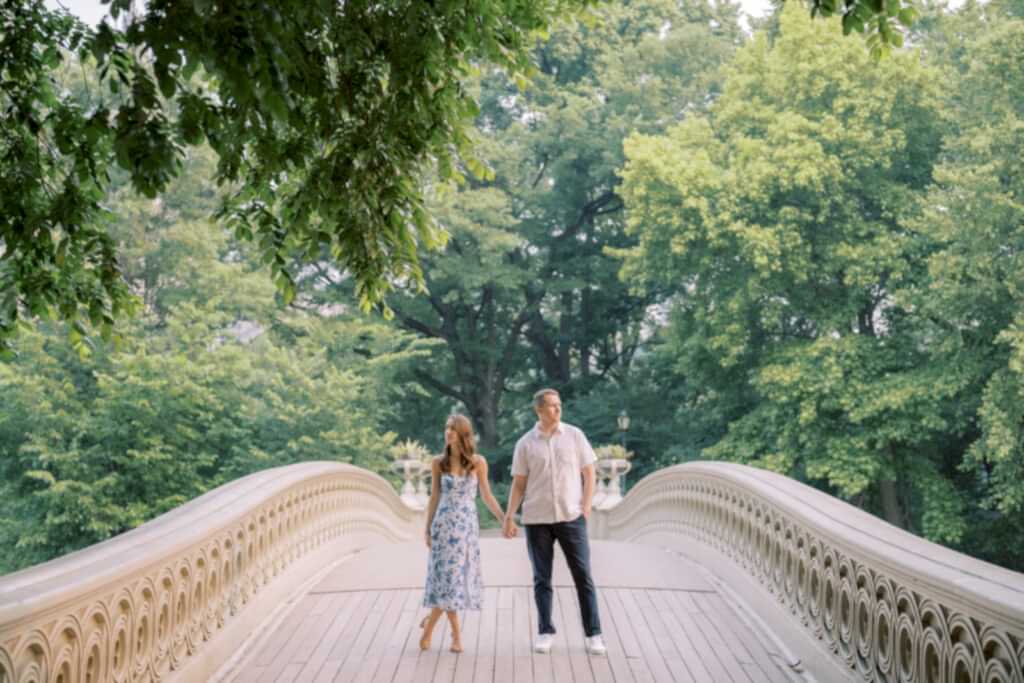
<point>662,621</point>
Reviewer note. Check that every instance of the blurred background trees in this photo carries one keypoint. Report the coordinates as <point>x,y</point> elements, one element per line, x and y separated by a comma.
<point>757,255</point>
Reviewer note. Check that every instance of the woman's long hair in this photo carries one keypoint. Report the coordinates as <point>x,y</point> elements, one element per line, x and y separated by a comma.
<point>462,447</point>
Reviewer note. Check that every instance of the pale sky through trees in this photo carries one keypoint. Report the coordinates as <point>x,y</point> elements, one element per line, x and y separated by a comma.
<point>91,11</point>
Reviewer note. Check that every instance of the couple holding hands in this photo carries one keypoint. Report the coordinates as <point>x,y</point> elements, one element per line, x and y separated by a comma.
<point>553,479</point>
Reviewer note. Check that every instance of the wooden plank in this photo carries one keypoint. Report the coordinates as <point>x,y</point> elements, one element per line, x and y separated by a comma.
<point>426,662</point>
<point>573,629</point>
<point>295,648</point>
<point>471,643</point>
<point>290,673</point>
<point>628,636</point>
<point>732,665</point>
<point>249,673</point>
<point>336,621</point>
<point>314,627</point>
<point>389,622</point>
<point>484,669</point>
<point>694,656</point>
<point>542,667</point>
<point>372,636</point>
<point>616,653</point>
<point>626,633</point>
<point>342,645</point>
<point>599,667</point>
<point>561,662</point>
<point>408,609</point>
<point>740,635</point>
<point>272,646</point>
<point>682,612</point>
<point>648,646</point>
<point>715,615</point>
<point>663,636</point>
<point>506,598</point>
<point>504,655</point>
<point>410,653</point>
<point>757,674</point>
<point>447,659</point>
<point>359,658</point>
<point>519,636</point>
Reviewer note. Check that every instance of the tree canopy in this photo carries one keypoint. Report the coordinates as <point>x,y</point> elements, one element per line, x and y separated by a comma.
<point>772,249</point>
<point>325,117</point>
<point>843,261</point>
<point>213,379</point>
<point>525,292</point>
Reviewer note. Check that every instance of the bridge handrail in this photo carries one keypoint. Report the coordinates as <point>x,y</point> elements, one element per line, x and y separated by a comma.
<point>140,605</point>
<point>887,604</point>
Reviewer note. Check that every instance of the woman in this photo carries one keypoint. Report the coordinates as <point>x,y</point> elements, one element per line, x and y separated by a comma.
<point>453,530</point>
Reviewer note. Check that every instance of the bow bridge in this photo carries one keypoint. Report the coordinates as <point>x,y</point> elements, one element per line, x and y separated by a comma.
<point>706,572</point>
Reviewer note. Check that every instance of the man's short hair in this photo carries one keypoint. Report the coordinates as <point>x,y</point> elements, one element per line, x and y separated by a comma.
<point>538,398</point>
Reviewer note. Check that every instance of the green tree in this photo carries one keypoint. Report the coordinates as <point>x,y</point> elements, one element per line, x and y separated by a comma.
<point>525,293</point>
<point>215,379</point>
<point>324,115</point>
<point>972,303</point>
<point>90,448</point>
<point>777,219</point>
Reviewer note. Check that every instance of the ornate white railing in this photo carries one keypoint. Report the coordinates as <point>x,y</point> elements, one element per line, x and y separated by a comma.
<point>173,598</point>
<point>887,605</point>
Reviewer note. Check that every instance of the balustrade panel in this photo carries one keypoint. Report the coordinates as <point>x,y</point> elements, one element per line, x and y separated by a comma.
<point>887,605</point>
<point>140,606</point>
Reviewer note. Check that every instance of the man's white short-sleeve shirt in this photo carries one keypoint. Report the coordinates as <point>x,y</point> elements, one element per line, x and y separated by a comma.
<point>553,466</point>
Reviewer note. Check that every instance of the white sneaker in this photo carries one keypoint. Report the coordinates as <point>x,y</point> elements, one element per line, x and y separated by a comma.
<point>543,643</point>
<point>595,645</point>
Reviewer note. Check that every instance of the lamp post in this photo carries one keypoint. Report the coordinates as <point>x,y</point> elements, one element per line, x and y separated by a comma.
<point>623,421</point>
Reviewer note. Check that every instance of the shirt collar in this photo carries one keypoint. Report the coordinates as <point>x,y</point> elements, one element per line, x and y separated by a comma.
<point>538,434</point>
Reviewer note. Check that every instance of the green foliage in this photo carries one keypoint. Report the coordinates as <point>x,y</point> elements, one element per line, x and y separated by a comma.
<point>213,381</point>
<point>819,263</point>
<point>56,258</point>
<point>324,116</point>
<point>842,261</point>
<point>776,219</point>
<point>881,21</point>
<point>974,294</point>
<point>612,451</point>
<point>527,291</point>
<point>91,448</point>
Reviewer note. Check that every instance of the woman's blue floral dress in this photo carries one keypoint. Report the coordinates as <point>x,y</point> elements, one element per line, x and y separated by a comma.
<point>453,570</point>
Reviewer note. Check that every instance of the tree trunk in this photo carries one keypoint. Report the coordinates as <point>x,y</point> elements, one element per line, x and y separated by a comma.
<point>565,339</point>
<point>584,336</point>
<point>485,415</point>
<point>892,510</point>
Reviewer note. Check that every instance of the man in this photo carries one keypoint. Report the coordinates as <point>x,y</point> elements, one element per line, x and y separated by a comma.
<point>547,468</point>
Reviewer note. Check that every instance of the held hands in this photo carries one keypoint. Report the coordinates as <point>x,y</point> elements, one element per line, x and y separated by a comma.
<point>509,528</point>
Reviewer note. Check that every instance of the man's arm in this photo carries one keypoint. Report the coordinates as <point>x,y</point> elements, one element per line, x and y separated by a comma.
<point>588,489</point>
<point>588,460</point>
<point>515,497</point>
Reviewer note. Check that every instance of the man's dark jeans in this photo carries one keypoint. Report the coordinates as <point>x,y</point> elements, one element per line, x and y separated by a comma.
<point>572,537</point>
